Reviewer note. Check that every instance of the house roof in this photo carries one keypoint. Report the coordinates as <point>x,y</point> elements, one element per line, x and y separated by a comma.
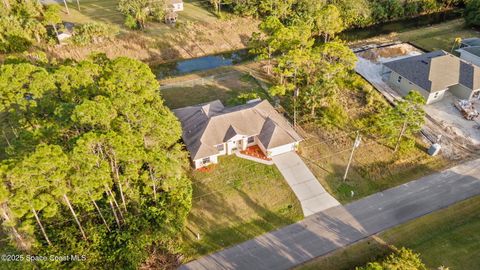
<point>473,50</point>
<point>436,71</point>
<point>471,41</point>
<point>209,124</point>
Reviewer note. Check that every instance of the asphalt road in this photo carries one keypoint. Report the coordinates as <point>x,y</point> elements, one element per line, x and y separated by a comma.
<point>340,226</point>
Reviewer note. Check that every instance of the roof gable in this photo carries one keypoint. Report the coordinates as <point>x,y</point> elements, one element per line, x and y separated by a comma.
<point>210,124</point>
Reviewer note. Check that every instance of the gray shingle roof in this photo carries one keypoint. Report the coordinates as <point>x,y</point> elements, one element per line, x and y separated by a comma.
<point>471,41</point>
<point>210,124</point>
<point>472,50</point>
<point>436,71</point>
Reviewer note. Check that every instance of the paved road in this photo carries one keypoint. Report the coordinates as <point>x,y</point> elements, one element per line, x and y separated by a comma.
<point>312,196</point>
<point>340,226</point>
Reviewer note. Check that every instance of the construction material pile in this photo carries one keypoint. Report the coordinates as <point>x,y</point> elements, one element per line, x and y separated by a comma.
<point>467,109</point>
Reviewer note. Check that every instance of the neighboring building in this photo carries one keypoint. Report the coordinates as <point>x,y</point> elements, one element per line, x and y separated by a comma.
<point>432,74</point>
<point>470,54</point>
<point>175,5</point>
<point>211,130</point>
<point>470,42</point>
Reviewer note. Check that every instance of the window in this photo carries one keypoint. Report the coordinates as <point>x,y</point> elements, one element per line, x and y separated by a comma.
<point>220,147</point>
<point>436,94</point>
<point>206,160</point>
<point>399,79</point>
<point>251,139</point>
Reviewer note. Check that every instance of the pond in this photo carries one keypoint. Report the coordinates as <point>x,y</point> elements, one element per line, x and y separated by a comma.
<point>202,63</point>
<point>235,57</point>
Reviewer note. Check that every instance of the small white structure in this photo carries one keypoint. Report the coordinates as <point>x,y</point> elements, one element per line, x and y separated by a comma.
<point>176,5</point>
<point>211,130</point>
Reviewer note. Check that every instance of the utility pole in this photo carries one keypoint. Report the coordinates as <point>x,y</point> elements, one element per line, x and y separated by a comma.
<point>356,144</point>
<point>404,127</point>
<point>295,95</point>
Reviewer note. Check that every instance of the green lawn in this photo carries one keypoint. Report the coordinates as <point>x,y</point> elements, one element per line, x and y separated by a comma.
<point>439,36</point>
<point>236,201</point>
<point>449,237</point>
<point>193,91</point>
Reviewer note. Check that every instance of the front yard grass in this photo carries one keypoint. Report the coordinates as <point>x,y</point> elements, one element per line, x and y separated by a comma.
<point>447,237</point>
<point>439,36</point>
<point>374,167</point>
<point>236,201</point>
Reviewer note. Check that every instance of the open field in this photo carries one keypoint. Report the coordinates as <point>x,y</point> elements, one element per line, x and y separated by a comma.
<point>236,201</point>
<point>224,84</point>
<point>447,237</point>
<point>440,36</point>
<point>374,167</point>
<point>435,37</point>
<point>197,32</point>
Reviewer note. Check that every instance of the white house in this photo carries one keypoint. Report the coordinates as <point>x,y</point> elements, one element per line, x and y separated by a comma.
<point>176,5</point>
<point>211,130</point>
<point>433,74</point>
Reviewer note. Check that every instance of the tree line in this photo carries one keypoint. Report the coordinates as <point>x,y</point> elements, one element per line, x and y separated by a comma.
<point>354,13</point>
<point>90,162</point>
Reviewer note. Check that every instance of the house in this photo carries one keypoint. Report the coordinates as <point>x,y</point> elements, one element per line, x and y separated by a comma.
<point>433,74</point>
<point>175,5</point>
<point>470,54</point>
<point>211,130</point>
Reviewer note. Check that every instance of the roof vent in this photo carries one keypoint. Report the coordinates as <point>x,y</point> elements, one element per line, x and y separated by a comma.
<point>425,62</point>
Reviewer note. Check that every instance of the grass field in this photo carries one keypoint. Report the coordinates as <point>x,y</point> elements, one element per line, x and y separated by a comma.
<point>374,167</point>
<point>227,84</point>
<point>448,237</point>
<point>236,201</point>
<point>440,36</point>
<point>197,32</point>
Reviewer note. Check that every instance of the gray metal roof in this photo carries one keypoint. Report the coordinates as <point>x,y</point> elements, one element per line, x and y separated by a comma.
<point>209,124</point>
<point>436,71</point>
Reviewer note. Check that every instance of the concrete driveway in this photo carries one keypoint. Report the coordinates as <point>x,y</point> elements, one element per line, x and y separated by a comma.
<point>309,192</point>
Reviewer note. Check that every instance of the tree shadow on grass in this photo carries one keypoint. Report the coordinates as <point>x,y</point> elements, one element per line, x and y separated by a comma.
<point>223,225</point>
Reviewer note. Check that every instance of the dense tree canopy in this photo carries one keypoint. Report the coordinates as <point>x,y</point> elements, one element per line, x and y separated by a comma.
<point>352,13</point>
<point>472,12</point>
<point>91,163</point>
<point>20,25</point>
<point>138,12</point>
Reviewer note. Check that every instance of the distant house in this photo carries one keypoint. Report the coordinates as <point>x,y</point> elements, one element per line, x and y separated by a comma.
<point>175,5</point>
<point>211,130</point>
<point>470,54</point>
<point>433,74</point>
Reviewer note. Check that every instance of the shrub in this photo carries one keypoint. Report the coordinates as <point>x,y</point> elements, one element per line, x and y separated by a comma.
<point>94,33</point>
<point>472,13</point>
